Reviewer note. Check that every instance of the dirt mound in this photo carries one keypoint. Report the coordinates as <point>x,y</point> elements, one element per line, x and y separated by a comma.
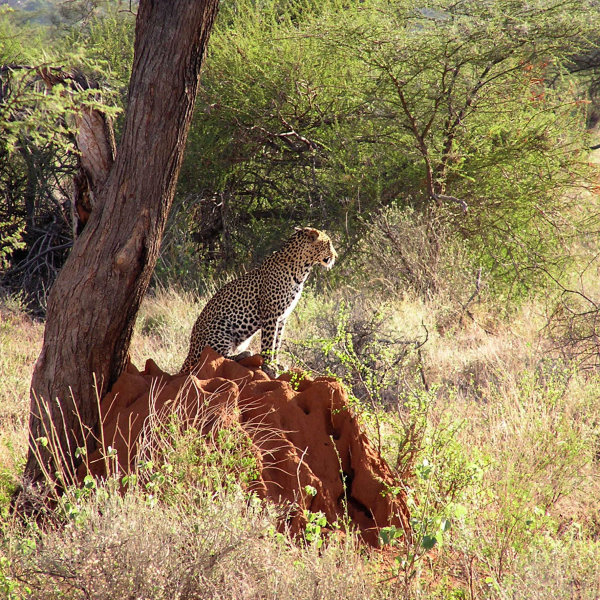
<point>302,431</point>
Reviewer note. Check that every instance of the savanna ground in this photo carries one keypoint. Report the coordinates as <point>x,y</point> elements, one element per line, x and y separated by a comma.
<point>494,434</point>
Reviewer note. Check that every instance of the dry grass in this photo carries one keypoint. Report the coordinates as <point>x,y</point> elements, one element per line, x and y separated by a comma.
<point>505,447</point>
<point>220,548</point>
<point>163,328</point>
<point>20,344</point>
<point>510,430</point>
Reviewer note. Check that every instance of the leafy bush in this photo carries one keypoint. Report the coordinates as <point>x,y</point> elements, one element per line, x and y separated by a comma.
<point>328,113</point>
<point>467,117</point>
<point>37,129</point>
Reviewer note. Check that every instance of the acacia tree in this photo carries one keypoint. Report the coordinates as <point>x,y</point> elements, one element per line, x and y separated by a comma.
<point>94,301</point>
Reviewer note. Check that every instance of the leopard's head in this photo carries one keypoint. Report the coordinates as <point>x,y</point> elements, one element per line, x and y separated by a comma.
<point>317,247</point>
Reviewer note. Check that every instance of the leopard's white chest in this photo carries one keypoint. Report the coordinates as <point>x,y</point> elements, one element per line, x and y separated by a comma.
<point>295,298</point>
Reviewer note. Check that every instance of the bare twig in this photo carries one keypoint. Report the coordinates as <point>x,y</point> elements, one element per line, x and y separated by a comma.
<point>443,197</point>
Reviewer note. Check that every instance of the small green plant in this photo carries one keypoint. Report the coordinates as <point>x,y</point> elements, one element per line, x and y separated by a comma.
<point>296,379</point>
<point>313,530</point>
<point>365,353</point>
<point>11,239</point>
<point>180,460</point>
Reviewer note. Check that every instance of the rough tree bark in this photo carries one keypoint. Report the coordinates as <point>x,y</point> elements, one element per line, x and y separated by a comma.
<point>94,301</point>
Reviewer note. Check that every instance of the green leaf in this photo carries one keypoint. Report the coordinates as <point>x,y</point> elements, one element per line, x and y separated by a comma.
<point>388,534</point>
<point>310,490</point>
<point>428,542</point>
<point>460,511</point>
<point>89,482</point>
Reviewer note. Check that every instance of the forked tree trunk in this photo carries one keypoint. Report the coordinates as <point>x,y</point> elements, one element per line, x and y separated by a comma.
<point>94,301</point>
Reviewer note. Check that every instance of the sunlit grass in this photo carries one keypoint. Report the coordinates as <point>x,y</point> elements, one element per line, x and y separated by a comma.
<point>503,469</point>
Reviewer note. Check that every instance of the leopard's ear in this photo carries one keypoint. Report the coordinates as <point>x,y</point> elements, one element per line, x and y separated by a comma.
<point>312,233</point>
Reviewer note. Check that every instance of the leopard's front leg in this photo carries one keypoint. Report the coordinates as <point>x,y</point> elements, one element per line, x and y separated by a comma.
<point>271,339</point>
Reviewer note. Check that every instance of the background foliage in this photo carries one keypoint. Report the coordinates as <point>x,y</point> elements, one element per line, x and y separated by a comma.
<point>464,113</point>
<point>470,117</point>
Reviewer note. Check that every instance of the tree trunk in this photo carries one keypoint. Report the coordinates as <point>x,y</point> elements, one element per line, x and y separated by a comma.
<point>94,301</point>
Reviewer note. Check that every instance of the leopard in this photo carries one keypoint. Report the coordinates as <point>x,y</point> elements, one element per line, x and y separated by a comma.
<point>261,299</point>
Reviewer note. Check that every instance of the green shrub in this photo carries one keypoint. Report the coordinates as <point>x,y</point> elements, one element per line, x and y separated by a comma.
<point>330,114</point>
